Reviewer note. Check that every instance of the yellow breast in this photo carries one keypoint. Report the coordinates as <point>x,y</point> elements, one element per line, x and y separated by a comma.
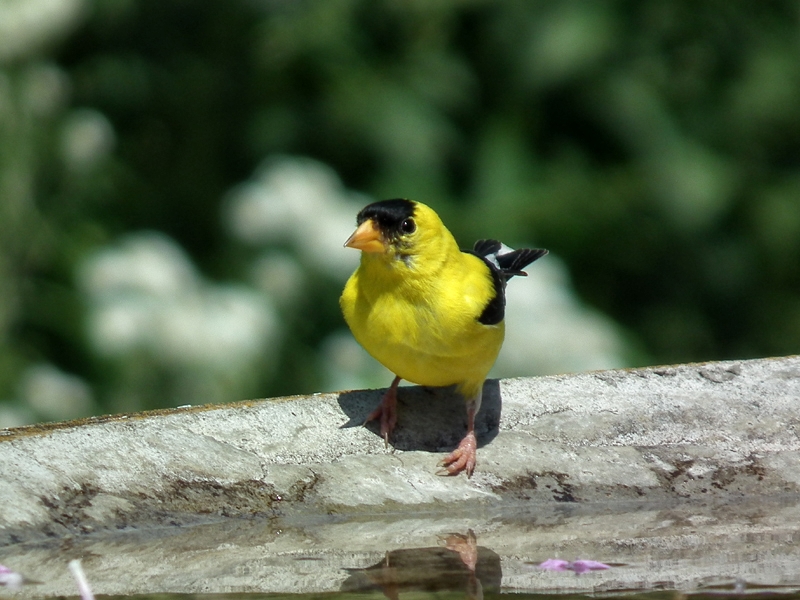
<point>423,325</point>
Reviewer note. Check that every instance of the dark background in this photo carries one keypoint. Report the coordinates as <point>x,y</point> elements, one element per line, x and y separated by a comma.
<point>652,145</point>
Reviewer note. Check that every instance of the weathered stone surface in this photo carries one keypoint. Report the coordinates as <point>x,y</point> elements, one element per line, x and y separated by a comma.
<point>657,468</point>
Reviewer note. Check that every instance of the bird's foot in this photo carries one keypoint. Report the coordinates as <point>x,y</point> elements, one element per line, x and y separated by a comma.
<point>462,458</point>
<point>386,413</point>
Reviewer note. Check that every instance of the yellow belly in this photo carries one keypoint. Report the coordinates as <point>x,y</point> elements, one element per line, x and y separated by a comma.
<point>434,344</point>
<point>417,366</point>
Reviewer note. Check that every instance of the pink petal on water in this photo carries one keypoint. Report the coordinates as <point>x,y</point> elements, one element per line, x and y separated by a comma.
<point>10,579</point>
<point>577,566</point>
<point>554,564</point>
<point>582,566</point>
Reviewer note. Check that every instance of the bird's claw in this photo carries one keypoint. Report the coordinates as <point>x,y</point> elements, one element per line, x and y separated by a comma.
<point>387,414</point>
<point>463,458</point>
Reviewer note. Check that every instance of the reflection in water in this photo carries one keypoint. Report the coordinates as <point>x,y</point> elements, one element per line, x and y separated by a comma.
<point>460,565</point>
<point>80,578</point>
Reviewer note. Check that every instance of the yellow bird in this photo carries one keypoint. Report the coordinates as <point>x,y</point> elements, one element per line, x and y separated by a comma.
<point>429,312</point>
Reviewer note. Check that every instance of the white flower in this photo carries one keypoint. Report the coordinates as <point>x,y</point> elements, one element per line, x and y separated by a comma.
<point>302,202</point>
<point>55,394</point>
<point>549,331</point>
<point>146,295</point>
<point>87,136</point>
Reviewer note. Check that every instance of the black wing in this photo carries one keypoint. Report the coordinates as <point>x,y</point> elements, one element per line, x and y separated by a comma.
<point>502,266</point>
<point>513,262</point>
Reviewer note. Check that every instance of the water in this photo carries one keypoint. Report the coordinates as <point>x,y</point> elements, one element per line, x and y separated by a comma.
<point>721,594</point>
<point>703,550</point>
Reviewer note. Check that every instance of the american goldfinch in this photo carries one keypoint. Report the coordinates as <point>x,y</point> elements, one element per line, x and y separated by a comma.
<point>429,312</point>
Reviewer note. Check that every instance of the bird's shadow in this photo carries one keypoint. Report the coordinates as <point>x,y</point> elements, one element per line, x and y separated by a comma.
<point>429,419</point>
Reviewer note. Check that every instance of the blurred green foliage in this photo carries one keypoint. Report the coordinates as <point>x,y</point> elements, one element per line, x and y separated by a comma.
<point>653,145</point>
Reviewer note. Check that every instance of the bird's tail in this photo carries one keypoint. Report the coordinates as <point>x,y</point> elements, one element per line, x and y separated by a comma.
<point>509,262</point>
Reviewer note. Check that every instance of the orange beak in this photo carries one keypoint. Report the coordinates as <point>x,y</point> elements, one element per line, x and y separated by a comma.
<point>366,238</point>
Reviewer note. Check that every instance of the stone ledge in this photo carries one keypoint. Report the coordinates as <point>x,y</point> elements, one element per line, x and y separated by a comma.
<point>689,431</point>
<point>617,453</point>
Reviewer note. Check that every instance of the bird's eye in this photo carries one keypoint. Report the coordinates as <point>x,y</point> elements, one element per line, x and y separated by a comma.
<point>408,226</point>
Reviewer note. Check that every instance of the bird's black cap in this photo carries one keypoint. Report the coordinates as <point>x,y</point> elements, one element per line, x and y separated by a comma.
<point>387,214</point>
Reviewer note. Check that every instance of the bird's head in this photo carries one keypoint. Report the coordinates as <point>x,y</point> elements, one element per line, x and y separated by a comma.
<point>398,228</point>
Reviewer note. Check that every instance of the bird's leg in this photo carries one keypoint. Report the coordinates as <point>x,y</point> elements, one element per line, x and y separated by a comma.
<point>386,411</point>
<point>463,458</point>
<point>466,546</point>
